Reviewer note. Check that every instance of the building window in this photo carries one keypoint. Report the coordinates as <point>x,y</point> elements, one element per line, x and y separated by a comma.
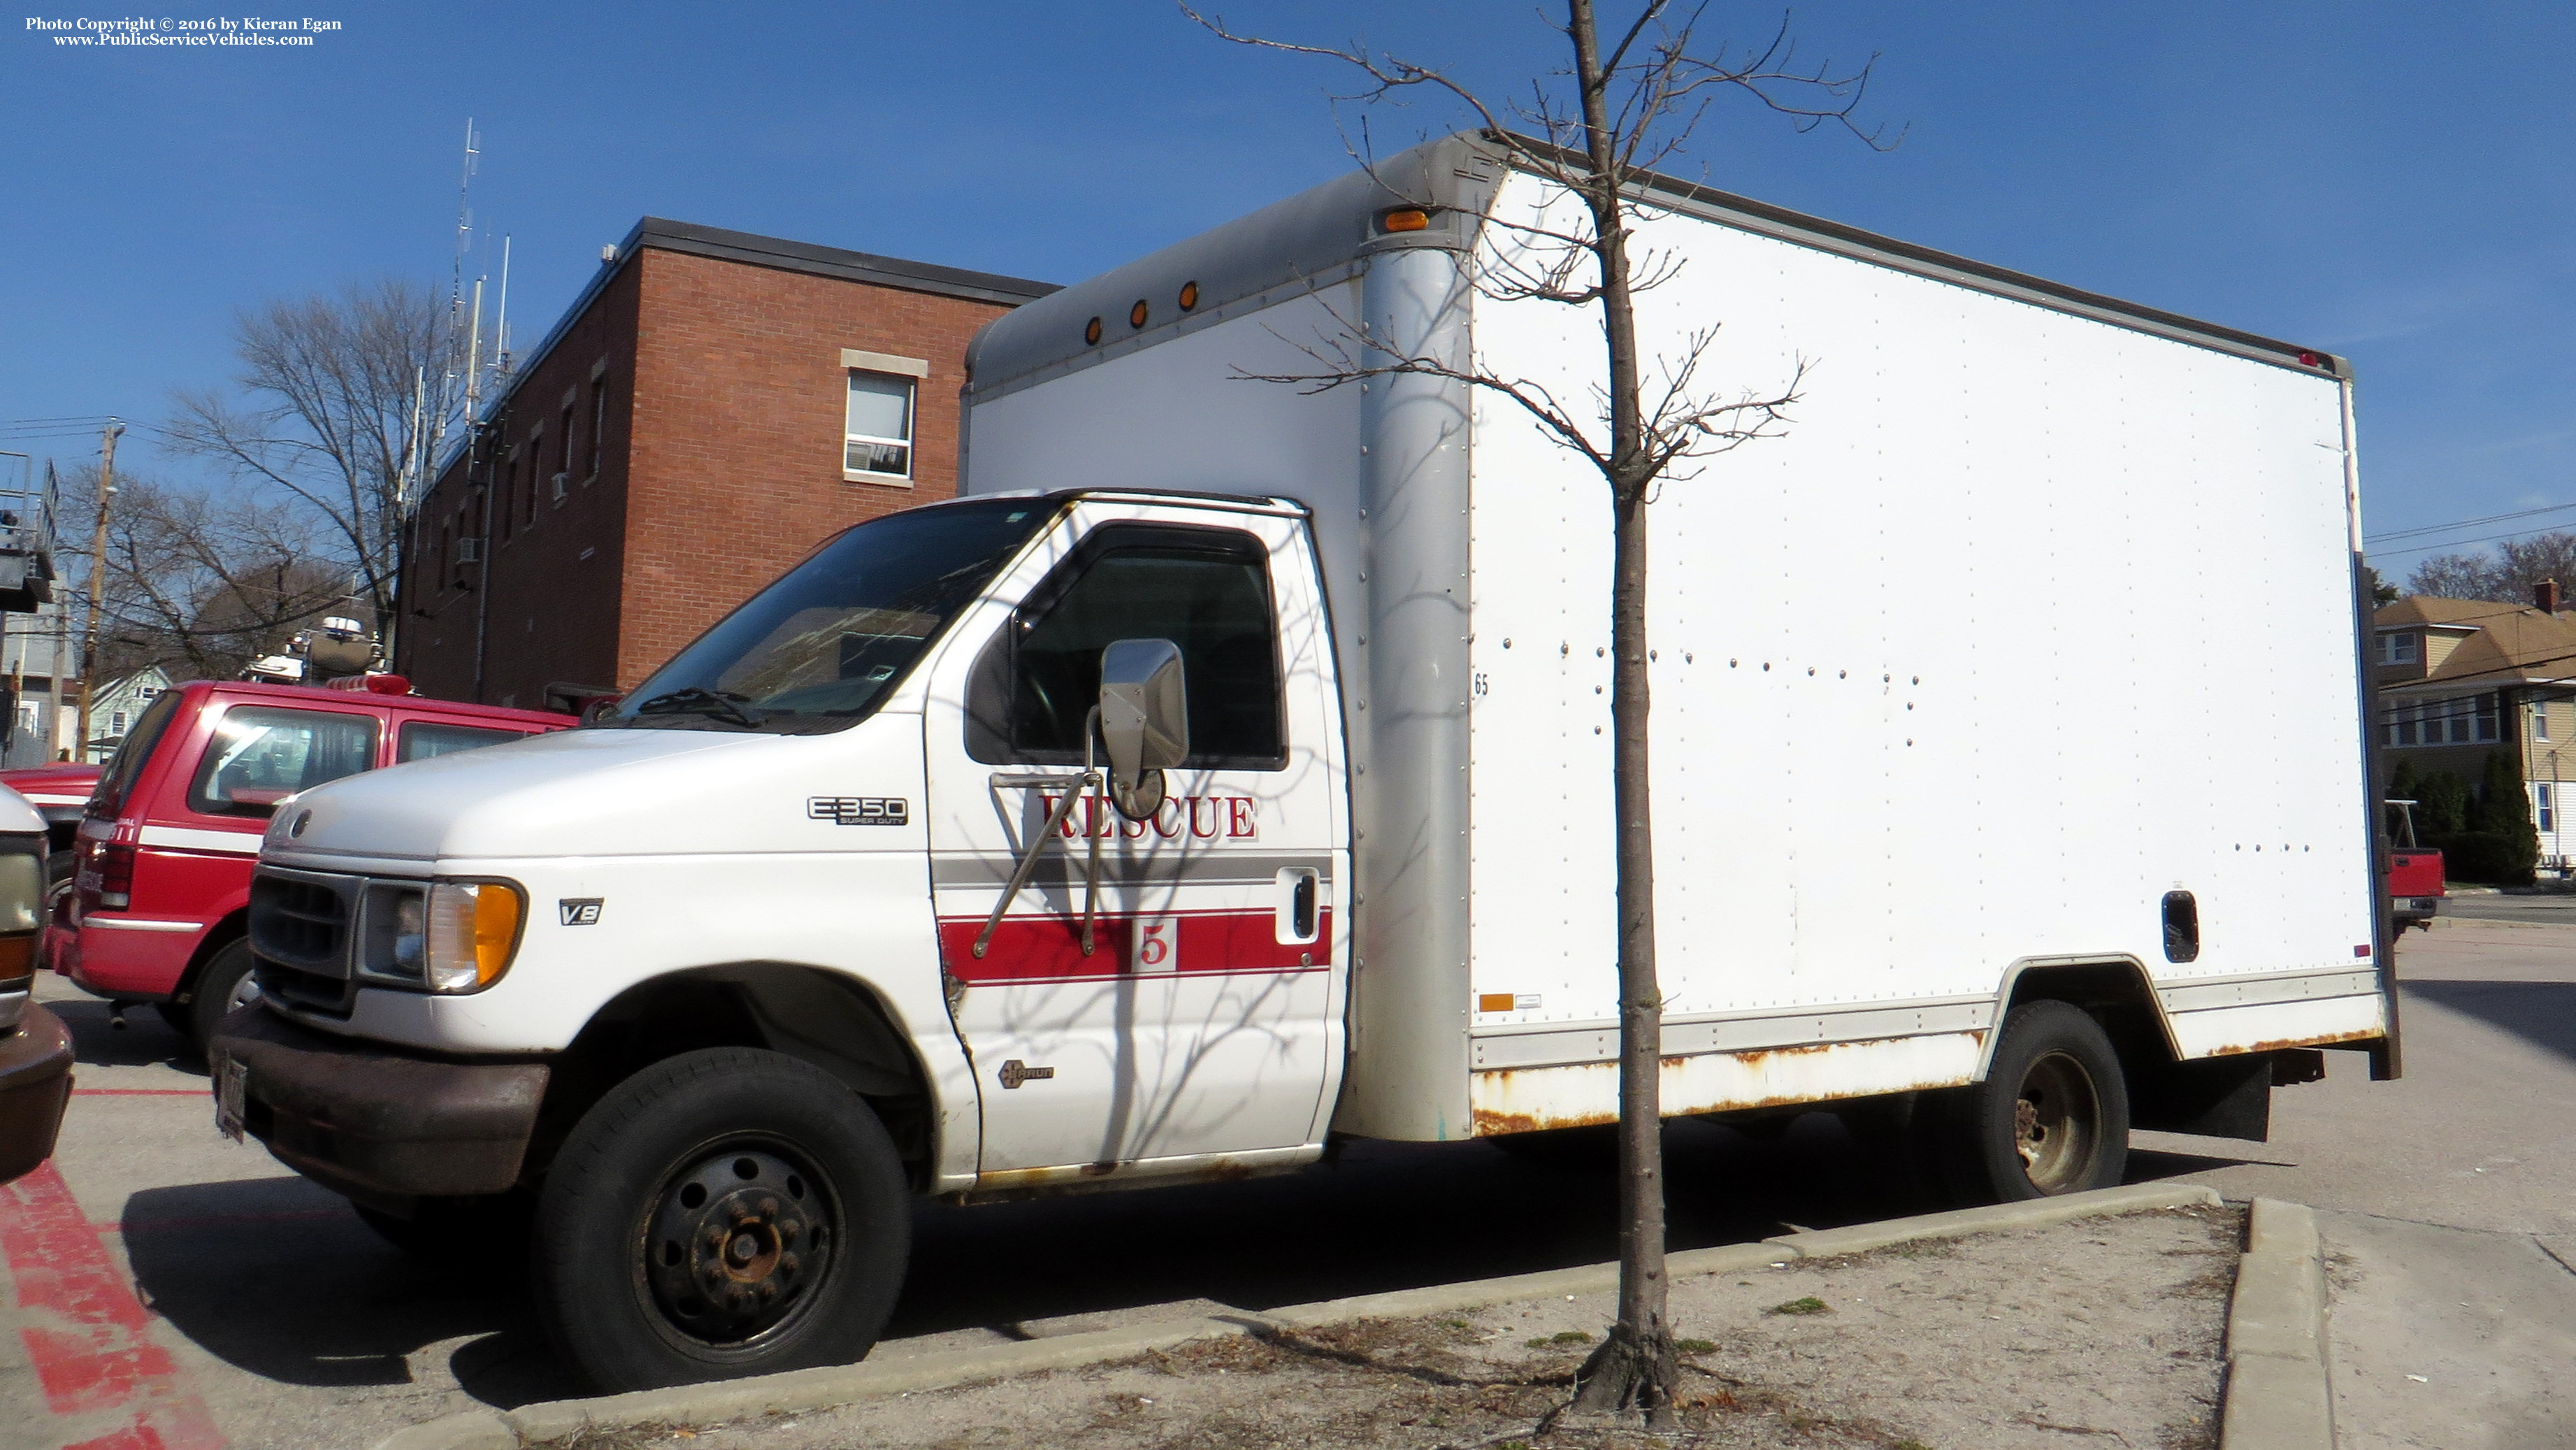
<point>536,468</point>
<point>2540,720</point>
<point>510,495</point>
<point>563,460</point>
<point>2544,806</point>
<point>116,723</point>
<point>598,423</point>
<point>879,426</point>
<point>2466,720</point>
<point>2398,649</point>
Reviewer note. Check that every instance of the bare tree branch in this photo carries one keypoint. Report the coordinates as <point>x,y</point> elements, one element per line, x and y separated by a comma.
<point>1596,132</point>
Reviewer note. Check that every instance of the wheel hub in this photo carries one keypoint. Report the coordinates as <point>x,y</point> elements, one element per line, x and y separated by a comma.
<point>734,1242</point>
<point>2055,1119</point>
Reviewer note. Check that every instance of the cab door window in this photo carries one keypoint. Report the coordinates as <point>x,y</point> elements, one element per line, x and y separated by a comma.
<point>260,755</point>
<point>1206,590</point>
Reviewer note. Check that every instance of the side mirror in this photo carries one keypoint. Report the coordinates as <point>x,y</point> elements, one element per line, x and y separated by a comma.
<point>1144,721</point>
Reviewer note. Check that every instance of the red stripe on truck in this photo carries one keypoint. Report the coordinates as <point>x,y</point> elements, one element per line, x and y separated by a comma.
<point>1048,948</point>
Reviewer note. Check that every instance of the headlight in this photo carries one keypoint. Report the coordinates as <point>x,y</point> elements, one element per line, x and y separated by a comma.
<point>446,936</point>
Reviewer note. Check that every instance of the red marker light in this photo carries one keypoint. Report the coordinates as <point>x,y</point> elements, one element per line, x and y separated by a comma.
<point>388,685</point>
<point>2308,360</point>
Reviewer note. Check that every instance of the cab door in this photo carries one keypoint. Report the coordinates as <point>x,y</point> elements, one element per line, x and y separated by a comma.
<point>1203,1015</point>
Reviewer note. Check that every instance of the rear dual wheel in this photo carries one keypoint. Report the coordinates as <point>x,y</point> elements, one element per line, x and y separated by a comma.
<point>2051,1117</point>
<point>726,1212</point>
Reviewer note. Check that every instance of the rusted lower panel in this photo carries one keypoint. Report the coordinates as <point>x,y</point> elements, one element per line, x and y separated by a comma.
<point>1531,1099</point>
<point>2269,1027</point>
<point>1006,1184</point>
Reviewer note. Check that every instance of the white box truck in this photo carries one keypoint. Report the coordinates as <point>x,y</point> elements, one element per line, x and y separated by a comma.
<point>1229,770</point>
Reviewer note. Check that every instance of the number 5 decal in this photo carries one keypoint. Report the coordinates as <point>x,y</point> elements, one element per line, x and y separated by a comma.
<point>1158,945</point>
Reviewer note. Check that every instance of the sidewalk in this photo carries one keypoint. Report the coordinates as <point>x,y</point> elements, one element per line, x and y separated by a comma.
<point>2448,1338</point>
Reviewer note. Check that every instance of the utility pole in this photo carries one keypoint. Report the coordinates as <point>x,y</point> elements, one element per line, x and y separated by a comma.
<point>97,576</point>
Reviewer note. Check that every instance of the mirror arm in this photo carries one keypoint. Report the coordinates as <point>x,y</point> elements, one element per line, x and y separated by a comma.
<point>1077,787</point>
<point>1091,872</point>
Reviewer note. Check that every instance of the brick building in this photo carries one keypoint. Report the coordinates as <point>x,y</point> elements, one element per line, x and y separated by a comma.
<point>712,406</point>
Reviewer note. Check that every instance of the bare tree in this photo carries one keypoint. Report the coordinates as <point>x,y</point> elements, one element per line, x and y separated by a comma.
<point>342,401</point>
<point>198,584</point>
<point>2505,576</point>
<point>1594,133</point>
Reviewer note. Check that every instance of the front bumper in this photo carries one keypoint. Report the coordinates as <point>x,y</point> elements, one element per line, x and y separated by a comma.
<point>35,1082</point>
<point>376,1122</point>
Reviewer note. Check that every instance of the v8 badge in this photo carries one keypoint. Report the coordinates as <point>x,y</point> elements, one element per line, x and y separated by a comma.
<point>579,910</point>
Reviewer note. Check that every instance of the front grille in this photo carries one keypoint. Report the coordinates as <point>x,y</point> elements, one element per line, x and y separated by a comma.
<point>300,931</point>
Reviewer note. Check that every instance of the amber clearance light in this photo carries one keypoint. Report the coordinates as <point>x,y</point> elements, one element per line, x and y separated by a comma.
<point>1189,296</point>
<point>1091,333</point>
<point>1137,314</point>
<point>473,931</point>
<point>1408,219</point>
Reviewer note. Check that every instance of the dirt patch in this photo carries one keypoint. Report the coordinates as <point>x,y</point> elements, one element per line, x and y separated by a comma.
<point>2105,1332</point>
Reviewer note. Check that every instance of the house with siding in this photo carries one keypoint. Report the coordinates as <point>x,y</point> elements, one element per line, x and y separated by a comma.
<point>2459,678</point>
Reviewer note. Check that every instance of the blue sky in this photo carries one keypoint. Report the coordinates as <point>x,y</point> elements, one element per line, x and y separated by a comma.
<point>2384,180</point>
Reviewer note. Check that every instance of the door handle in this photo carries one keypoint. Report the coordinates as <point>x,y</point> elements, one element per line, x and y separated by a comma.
<point>1298,909</point>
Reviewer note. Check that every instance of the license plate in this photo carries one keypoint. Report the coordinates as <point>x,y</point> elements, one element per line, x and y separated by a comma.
<point>230,1090</point>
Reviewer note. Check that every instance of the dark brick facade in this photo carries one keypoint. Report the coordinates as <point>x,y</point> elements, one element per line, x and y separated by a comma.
<point>703,379</point>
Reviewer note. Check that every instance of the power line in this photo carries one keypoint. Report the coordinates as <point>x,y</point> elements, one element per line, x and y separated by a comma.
<point>2413,533</point>
<point>2460,543</point>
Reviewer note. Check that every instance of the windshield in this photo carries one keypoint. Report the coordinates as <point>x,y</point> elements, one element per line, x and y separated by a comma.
<point>819,649</point>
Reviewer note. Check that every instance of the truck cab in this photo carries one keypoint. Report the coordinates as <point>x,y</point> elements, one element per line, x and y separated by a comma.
<point>859,845</point>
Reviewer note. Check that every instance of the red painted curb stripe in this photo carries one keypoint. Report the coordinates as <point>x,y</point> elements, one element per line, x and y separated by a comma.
<point>99,1354</point>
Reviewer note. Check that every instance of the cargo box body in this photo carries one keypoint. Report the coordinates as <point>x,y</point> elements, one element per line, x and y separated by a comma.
<point>2029,641</point>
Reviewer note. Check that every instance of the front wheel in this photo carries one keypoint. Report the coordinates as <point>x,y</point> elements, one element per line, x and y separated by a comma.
<point>2051,1117</point>
<point>722,1213</point>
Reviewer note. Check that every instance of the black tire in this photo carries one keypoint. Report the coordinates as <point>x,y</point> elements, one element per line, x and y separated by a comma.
<point>223,983</point>
<point>458,1231</point>
<point>679,1226</point>
<point>2051,1117</point>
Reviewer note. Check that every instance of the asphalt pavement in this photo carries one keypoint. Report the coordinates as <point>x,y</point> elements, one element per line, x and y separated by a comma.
<point>168,1281</point>
<point>2549,907</point>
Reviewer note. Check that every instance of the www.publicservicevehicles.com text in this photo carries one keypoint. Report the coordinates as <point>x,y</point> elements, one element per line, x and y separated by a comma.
<point>171,30</point>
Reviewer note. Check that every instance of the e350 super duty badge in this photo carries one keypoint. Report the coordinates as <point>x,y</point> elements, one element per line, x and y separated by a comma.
<point>859,810</point>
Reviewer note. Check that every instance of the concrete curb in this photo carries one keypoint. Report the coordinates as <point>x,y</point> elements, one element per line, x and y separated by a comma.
<point>2278,1397</point>
<point>798,1391</point>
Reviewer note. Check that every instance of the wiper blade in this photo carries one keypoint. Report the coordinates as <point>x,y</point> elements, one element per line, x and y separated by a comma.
<point>691,700</point>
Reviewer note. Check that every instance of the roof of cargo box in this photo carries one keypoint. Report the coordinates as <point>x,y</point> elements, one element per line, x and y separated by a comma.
<point>1325,234</point>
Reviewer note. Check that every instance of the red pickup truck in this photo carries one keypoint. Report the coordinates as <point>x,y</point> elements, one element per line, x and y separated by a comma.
<point>2414,872</point>
<point>168,835</point>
